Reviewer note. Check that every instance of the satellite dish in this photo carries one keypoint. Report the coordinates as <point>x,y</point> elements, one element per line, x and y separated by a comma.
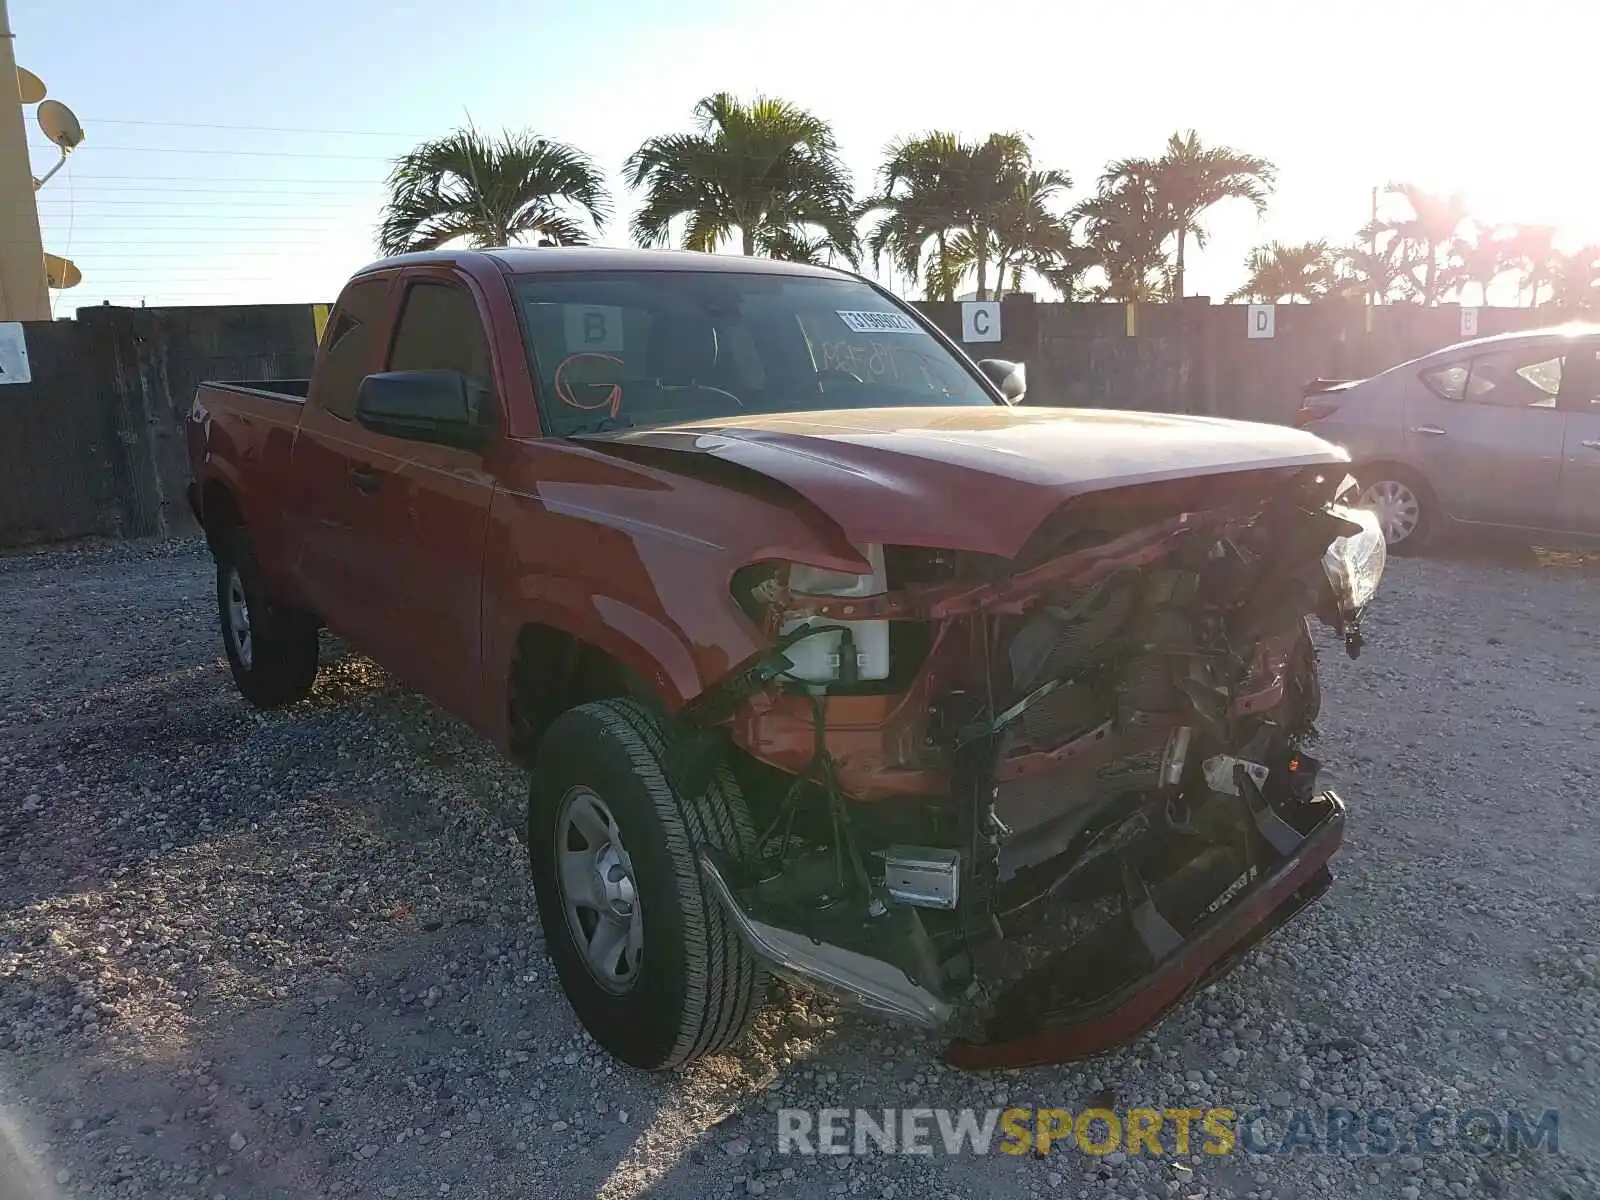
<point>30,86</point>
<point>59,124</point>
<point>61,272</point>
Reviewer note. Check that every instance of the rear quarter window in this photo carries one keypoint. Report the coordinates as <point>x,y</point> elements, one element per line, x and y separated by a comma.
<point>351,346</point>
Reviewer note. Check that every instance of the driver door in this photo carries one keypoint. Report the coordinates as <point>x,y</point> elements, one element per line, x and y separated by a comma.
<point>424,508</point>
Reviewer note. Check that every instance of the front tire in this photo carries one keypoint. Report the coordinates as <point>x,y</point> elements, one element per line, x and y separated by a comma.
<point>648,960</point>
<point>1404,507</point>
<point>272,650</point>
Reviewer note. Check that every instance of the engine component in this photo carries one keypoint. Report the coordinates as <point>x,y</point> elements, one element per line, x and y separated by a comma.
<point>1066,712</point>
<point>1174,757</point>
<point>1063,635</point>
<point>1221,773</point>
<point>847,651</point>
<point>923,876</point>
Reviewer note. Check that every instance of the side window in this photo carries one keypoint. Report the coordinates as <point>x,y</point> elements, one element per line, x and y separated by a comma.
<point>1447,382</point>
<point>1527,378</point>
<point>351,346</point>
<point>439,330</point>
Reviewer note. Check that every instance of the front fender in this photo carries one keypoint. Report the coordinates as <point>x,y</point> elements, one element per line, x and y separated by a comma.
<point>676,664</point>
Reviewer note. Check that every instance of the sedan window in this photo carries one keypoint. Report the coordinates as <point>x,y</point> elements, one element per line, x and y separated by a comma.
<point>1527,378</point>
<point>1447,382</point>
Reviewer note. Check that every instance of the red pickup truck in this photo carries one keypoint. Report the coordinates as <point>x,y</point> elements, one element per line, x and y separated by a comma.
<point>826,657</point>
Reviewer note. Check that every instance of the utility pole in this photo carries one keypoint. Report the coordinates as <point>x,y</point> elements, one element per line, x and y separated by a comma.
<point>23,295</point>
<point>1372,234</point>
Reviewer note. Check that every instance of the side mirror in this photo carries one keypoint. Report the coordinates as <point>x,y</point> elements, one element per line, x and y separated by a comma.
<point>1010,377</point>
<point>420,406</point>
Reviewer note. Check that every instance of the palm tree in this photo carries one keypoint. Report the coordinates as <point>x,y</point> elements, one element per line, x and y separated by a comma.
<point>1480,259</point>
<point>989,175</point>
<point>1531,248</point>
<point>1123,229</point>
<point>769,170</point>
<point>794,246</point>
<point>1380,265</point>
<point>1575,280</point>
<point>1067,271</point>
<point>1189,178</point>
<point>919,200</point>
<point>491,192</point>
<point>1026,234</point>
<point>976,202</point>
<point>1431,229</point>
<point>1279,272</point>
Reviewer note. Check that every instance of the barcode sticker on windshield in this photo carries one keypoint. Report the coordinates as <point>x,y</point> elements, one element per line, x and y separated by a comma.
<point>878,322</point>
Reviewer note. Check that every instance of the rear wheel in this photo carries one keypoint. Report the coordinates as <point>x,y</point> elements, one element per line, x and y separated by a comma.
<point>649,961</point>
<point>271,649</point>
<point>1403,505</point>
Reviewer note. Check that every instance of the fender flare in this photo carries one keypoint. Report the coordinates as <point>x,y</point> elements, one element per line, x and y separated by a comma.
<point>659,655</point>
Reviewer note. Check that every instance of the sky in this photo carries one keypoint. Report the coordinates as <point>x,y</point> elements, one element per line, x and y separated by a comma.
<point>235,153</point>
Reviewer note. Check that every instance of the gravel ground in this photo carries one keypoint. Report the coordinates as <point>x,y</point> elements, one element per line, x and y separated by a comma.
<point>249,955</point>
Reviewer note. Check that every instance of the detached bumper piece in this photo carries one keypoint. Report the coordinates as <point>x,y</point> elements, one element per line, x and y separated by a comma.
<point>1053,1014</point>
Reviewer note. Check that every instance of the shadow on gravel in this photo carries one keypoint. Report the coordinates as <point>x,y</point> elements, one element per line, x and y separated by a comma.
<point>405,1064</point>
<point>126,744</point>
<point>1510,555</point>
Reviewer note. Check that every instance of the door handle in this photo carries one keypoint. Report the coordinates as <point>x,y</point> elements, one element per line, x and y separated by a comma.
<point>365,480</point>
<point>1430,430</point>
<point>1593,443</point>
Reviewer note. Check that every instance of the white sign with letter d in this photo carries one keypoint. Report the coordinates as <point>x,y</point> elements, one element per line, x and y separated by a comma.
<point>1263,320</point>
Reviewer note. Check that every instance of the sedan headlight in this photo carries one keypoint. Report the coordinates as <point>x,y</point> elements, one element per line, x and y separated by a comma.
<point>1354,563</point>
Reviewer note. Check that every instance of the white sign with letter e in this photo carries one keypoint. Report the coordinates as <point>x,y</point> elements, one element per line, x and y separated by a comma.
<point>1263,320</point>
<point>1469,322</point>
<point>14,354</point>
<point>980,320</point>
<point>593,327</point>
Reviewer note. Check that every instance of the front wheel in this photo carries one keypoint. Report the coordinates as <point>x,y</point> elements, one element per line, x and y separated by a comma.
<point>272,650</point>
<point>1403,506</point>
<point>649,961</point>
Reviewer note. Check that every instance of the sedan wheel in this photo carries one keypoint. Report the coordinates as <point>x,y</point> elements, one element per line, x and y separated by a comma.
<point>1398,508</point>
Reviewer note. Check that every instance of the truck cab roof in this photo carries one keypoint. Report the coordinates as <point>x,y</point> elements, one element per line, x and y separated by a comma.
<point>529,260</point>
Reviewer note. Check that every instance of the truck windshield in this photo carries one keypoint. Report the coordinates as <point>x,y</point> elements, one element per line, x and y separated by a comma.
<point>618,350</point>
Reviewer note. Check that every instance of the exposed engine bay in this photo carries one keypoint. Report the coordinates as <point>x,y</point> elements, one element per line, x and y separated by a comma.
<point>1049,794</point>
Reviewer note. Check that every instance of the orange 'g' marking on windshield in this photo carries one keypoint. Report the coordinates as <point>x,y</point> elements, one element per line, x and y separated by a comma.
<point>611,401</point>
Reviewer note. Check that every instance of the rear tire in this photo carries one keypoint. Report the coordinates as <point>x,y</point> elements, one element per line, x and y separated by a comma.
<point>271,649</point>
<point>1404,506</point>
<point>649,961</point>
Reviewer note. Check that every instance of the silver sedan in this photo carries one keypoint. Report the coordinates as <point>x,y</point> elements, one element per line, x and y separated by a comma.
<point>1494,437</point>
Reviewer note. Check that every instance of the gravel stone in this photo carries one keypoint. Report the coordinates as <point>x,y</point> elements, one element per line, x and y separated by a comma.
<point>270,946</point>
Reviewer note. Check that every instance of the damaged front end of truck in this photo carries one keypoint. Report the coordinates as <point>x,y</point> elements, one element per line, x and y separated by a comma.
<point>1036,801</point>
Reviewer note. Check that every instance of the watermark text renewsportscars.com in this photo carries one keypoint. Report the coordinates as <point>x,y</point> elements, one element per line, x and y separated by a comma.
<point>1164,1132</point>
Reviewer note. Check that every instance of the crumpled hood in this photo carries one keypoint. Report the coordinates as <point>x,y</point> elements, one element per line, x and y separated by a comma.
<point>974,478</point>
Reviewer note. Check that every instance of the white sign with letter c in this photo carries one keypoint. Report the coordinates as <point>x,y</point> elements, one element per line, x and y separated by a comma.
<point>980,320</point>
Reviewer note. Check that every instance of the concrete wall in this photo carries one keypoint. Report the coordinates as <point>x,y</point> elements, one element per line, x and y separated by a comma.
<point>57,444</point>
<point>94,445</point>
<point>1196,357</point>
